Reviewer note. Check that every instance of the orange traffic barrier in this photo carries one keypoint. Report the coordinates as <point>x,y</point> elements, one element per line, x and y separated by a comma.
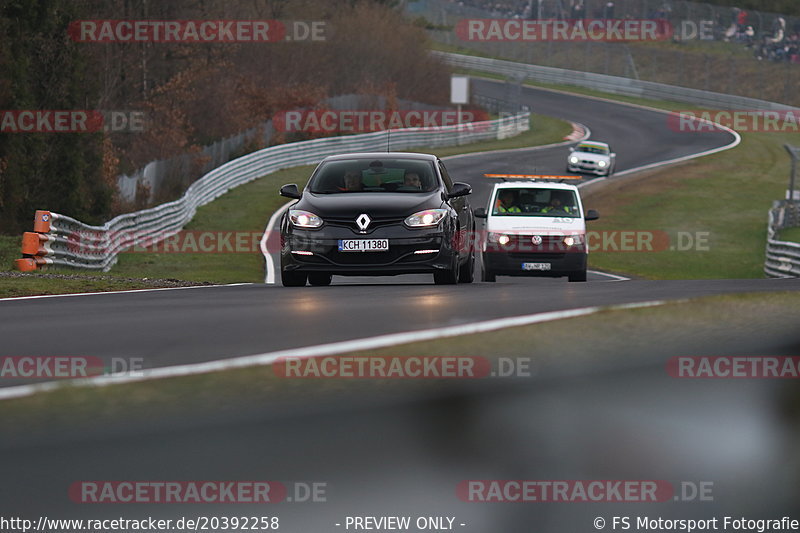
<point>33,244</point>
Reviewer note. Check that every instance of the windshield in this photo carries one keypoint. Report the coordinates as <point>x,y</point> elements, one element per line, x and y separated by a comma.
<point>535,202</point>
<point>374,176</point>
<point>592,149</point>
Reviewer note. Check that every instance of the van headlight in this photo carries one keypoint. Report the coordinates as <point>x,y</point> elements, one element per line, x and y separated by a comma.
<point>426,219</point>
<point>304,219</point>
<point>573,240</point>
<point>499,238</point>
<point>574,160</point>
<point>602,164</point>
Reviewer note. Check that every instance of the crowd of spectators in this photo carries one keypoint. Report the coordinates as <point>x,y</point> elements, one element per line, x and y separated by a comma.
<point>780,42</point>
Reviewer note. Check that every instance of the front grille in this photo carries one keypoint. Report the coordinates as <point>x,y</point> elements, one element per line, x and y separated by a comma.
<point>536,257</point>
<point>350,223</point>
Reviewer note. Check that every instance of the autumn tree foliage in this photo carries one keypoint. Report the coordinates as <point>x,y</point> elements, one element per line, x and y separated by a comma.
<point>191,94</point>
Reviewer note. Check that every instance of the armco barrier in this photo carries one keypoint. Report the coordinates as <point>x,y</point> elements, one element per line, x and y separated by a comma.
<point>54,239</point>
<point>609,84</point>
<point>783,258</point>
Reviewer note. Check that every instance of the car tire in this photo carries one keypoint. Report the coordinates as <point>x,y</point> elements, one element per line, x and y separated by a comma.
<point>578,276</point>
<point>293,279</point>
<point>319,279</point>
<point>449,276</point>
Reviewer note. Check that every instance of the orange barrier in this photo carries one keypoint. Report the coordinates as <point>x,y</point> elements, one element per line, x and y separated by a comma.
<point>34,244</point>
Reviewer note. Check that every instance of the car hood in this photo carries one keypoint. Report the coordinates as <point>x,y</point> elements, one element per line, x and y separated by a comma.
<point>378,204</point>
<point>536,225</point>
<point>586,156</point>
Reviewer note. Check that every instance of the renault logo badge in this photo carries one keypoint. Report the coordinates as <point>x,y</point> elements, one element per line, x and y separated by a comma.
<point>363,221</point>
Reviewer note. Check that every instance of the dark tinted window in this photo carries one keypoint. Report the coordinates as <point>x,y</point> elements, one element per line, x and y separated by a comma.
<point>374,175</point>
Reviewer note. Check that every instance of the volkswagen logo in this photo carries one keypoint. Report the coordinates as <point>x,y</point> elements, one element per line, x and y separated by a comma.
<point>536,240</point>
<point>363,221</point>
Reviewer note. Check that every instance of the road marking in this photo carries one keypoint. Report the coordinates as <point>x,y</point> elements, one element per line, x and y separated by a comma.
<point>269,264</point>
<point>614,276</point>
<point>12,298</point>
<point>370,343</point>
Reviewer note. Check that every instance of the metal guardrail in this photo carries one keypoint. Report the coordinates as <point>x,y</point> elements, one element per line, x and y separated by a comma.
<point>783,258</point>
<point>609,84</point>
<point>63,241</point>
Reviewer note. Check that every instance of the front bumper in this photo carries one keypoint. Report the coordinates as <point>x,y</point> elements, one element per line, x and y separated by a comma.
<point>588,168</point>
<point>510,264</point>
<point>322,253</point>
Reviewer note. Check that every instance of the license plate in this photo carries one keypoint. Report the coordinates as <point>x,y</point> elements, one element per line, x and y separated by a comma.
<point>364,245</point>
<point>535,266</point>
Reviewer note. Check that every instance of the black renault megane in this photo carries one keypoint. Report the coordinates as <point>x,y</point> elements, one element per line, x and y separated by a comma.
<point>377,214</point>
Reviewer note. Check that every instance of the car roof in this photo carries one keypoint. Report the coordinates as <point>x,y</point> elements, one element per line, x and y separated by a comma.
<point>379,155</point>
<point>534,185</point>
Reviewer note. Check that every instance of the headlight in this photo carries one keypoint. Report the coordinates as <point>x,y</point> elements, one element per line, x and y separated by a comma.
<point>426,219</point>
<point>572,240</point>
<point>499,238</point>
<point>601,163</point>
<point>573,159</point>
<point>304,219</point>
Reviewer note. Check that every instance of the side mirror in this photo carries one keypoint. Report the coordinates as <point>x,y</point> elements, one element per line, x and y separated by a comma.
<point>591,214</point>
<point>480,212</point>
<point>571,148</point>
<point>460,189</point>
<point>290,191</point>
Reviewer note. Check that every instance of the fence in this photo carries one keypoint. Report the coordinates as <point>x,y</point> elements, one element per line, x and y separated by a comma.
<point>63,241</point>
<point>783,258</point>
<point>167,179</point>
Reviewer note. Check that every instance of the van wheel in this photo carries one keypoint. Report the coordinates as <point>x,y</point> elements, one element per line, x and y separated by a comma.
<point>578,276</point>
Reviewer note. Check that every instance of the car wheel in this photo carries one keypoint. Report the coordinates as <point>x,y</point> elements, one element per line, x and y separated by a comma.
<point>578,276</point>
<point>467,272</point>
<point>319,279</point>
<point>293,279</point>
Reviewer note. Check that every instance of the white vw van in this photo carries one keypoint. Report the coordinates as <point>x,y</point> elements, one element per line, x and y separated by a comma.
<point>534,228</point>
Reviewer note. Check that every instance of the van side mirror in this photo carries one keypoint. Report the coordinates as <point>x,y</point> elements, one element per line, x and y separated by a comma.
<point>290,191</point>
<point>591,214</point>
<point>480,212</point>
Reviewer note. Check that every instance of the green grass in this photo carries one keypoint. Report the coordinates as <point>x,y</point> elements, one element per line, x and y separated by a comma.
<point>605,339</point>
<point>244,210</point>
